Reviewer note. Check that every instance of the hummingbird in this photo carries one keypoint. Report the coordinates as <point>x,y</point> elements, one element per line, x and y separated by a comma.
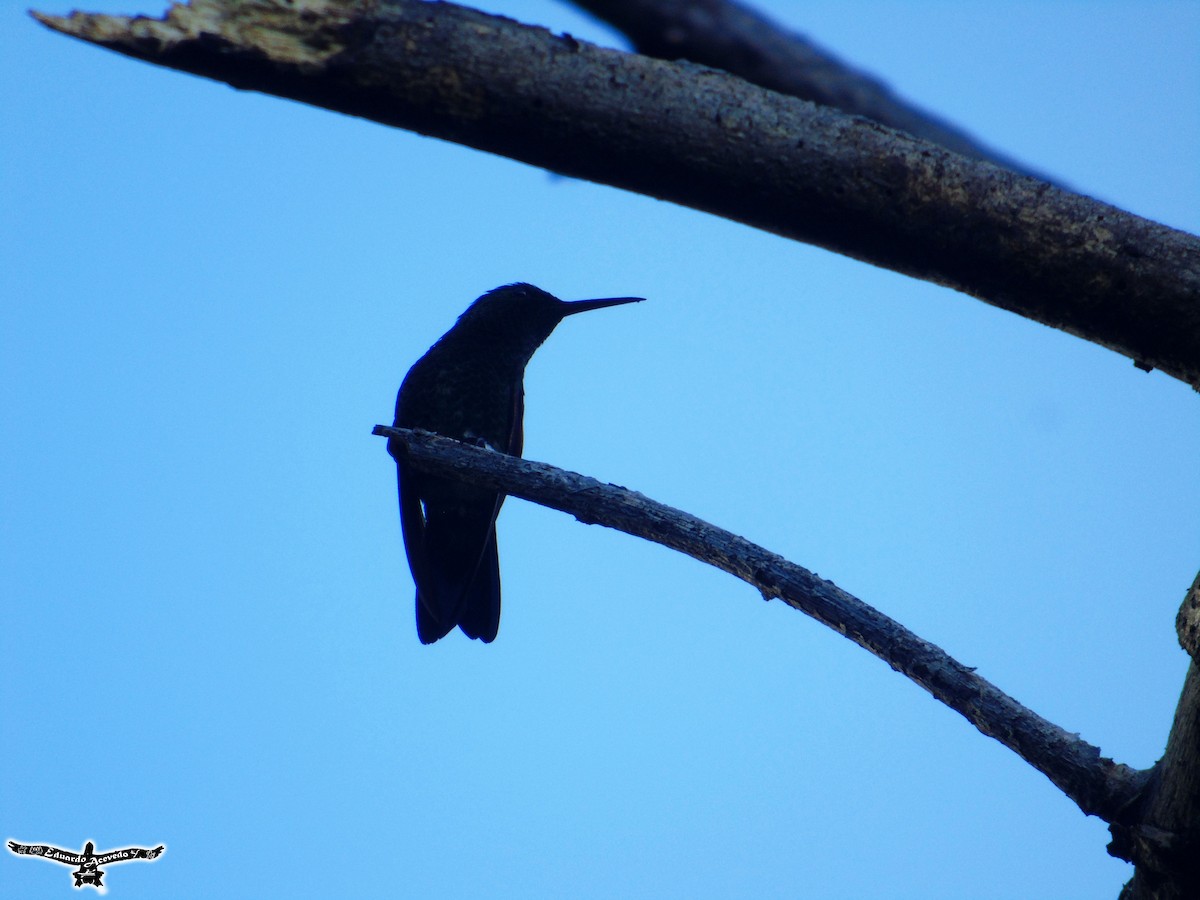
<point>469,386</point>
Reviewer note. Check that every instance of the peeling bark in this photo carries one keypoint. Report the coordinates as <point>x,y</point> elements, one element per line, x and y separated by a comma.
<point>703,138</point>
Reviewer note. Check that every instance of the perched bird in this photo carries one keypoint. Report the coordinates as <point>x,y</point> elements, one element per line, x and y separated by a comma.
<point>469,386</point>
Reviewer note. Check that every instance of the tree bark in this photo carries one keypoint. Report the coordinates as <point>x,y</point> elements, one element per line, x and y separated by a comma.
<point>705,139</point>
<point>1099,786</point>
<point>1163,838</point>
<point>727,35</point>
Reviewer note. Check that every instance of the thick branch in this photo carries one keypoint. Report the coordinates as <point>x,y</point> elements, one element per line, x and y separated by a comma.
<point>1187,621</point>
<point>1098,785</point>
<point>1164,839</point>
<point>727,35</point>
<point>708,140</point>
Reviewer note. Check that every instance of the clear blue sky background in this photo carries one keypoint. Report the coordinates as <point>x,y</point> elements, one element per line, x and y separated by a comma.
<point>208,299</point>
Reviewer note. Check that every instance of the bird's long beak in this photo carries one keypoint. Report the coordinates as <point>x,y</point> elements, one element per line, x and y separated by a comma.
<point>578,306</point>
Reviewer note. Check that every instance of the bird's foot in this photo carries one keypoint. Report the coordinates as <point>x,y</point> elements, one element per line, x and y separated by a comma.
<point>476,441</point>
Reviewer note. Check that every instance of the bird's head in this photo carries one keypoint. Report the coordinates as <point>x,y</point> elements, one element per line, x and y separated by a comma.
<point>522,316</point>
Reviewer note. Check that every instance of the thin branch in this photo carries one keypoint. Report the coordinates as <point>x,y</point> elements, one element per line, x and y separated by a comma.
<point>1098,785</point>
<point>727,35</point>
<point>705,139</point>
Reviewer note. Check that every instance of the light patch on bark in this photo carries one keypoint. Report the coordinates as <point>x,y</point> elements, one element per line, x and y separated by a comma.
<point>301,33</point>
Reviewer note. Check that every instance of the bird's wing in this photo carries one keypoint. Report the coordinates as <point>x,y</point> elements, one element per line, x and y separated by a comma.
<point>459,531</point>
<point>430,629</point>
<point>480,614</point>
<point>128,853</point>
<point>516,436</point>
<point>479,611</point>
<point>66,857</point>
<point>450,540</point>
<point>412,525</point>
<point>412,521</point>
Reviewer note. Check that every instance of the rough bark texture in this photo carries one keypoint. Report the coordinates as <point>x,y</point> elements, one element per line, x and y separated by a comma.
<point>706,139</point>
<point>1163,840</point>
<point>1187,622</point>
<point>1098,785</point>
<point>740,40</point>
<point>703,138</point>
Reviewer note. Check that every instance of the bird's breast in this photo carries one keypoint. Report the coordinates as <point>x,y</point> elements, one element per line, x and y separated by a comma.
<point>471,403</point>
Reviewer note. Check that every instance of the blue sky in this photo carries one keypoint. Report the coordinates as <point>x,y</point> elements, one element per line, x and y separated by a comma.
<point>211,296</point>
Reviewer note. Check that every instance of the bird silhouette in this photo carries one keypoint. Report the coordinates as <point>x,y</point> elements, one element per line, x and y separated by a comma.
<point>89,861</point>
<point>469,386</point>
